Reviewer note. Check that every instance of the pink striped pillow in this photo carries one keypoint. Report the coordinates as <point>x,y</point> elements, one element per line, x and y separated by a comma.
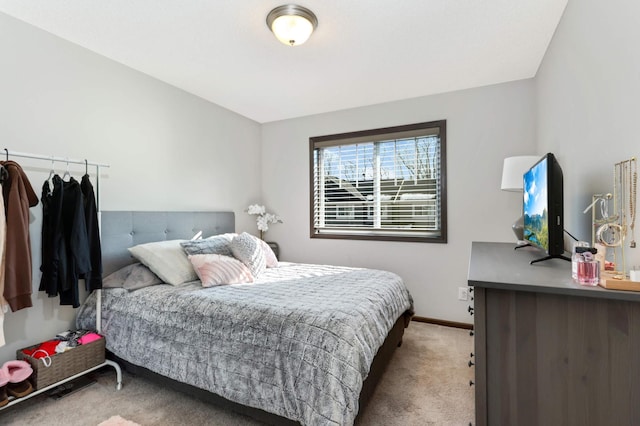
<point>269,255</point>
<point>216,269</point>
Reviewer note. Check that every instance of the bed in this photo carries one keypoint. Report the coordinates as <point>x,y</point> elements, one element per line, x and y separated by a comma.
<point>303,344</point>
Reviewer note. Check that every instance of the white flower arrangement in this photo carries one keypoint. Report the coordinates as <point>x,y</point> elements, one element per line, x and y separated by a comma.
<point>264,219</point>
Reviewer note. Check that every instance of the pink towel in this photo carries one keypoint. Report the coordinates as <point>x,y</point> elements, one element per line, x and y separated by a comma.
<point>88,338</point>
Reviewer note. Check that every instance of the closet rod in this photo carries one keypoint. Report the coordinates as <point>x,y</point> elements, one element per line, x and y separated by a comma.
<point>49,158</point>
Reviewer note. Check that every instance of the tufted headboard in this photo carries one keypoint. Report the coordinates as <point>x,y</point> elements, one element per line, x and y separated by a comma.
<point>123,229</point>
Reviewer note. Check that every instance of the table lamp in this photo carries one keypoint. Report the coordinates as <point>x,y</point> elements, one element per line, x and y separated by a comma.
<point>512,171</point>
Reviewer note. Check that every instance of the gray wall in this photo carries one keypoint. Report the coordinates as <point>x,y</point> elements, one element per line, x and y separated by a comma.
<point>588,90</point>
<point>168,150</point>
<point>484,125</point>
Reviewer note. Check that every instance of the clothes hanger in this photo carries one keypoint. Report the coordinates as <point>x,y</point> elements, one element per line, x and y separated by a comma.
<point>86,167</point>
<point>52,171</point>
<point>66,173</point>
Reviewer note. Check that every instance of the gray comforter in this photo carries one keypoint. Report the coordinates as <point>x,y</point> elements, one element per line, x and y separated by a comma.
<point>298,342</point>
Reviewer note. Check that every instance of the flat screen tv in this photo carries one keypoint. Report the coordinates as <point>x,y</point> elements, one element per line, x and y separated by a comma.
<point>543,207</point>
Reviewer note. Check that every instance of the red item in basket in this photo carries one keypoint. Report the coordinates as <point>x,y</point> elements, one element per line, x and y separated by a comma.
<point>47,348</point>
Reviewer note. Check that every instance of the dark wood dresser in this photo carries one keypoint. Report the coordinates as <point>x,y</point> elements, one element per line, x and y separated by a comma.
<point>549,351</point>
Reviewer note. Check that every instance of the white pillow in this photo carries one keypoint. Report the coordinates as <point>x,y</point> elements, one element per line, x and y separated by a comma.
<point>217,269</point>
<point>167,260</point>
<point>248,250</point>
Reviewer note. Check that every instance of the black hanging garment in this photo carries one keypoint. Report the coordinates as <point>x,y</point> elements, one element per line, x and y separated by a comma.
<point>67,234</point>
<point>53,244</point>
<point>78,261</point>
<point>93,279</point>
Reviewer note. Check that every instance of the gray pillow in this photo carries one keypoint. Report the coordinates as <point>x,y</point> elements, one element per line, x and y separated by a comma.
<point>131,277</point>
<point>248,250</point>
<point>140,277</point>
<point>217,244</point>
<point>117,278</point>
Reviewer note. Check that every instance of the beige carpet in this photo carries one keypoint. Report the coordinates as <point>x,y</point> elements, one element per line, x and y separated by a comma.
<point>426,383</point>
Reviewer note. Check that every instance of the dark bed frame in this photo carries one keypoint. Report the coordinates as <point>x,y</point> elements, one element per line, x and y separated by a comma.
<point>123,229</point>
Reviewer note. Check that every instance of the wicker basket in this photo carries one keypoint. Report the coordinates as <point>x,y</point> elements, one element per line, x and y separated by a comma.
<point>65,364</point>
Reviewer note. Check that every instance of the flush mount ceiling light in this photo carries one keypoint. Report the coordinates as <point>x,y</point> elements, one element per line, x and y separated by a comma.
<point>292,24</point>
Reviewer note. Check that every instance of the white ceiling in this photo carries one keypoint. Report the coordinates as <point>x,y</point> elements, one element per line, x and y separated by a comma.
<point>362,53</point>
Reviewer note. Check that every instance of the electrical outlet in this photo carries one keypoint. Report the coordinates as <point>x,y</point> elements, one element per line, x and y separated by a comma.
<point>463,293</point>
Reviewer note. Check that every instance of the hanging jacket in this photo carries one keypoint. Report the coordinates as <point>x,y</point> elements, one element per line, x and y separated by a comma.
<point>3,237</point>
<point>53,243</point>
<point>18,198</point>
<point>3,233</point>
<point>75,260</point>
<point>93,280</point>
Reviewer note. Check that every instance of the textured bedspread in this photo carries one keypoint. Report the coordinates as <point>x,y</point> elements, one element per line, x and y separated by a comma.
<point>298,342</point>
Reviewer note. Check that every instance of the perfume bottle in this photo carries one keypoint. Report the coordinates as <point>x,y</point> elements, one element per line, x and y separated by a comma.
<point>588,267</point>
<point>574,258</point>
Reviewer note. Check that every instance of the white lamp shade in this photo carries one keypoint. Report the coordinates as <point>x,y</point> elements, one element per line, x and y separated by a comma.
<point>292,24</point>
<point>513,169</point>
<point>292,30</point>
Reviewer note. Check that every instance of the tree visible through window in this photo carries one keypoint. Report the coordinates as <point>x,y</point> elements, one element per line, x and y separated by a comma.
<point>380,184</point>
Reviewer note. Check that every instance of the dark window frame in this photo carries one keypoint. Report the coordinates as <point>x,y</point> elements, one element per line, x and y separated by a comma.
<point>376,134</point>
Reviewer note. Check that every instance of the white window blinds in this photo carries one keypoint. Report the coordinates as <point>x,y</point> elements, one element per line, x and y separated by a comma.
<point>380,184</point>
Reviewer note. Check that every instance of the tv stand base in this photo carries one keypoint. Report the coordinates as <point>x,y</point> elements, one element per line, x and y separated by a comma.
<point>551,256</point>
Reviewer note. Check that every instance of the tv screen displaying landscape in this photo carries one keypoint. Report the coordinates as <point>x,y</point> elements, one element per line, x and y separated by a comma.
<point>535,209</point>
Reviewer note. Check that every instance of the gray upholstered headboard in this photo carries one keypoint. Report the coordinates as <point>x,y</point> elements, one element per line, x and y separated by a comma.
<point>123,229</point>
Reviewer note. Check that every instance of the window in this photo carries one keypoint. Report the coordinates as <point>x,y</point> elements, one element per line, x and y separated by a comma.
<point>382,184</point>
<point>346,212</point>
